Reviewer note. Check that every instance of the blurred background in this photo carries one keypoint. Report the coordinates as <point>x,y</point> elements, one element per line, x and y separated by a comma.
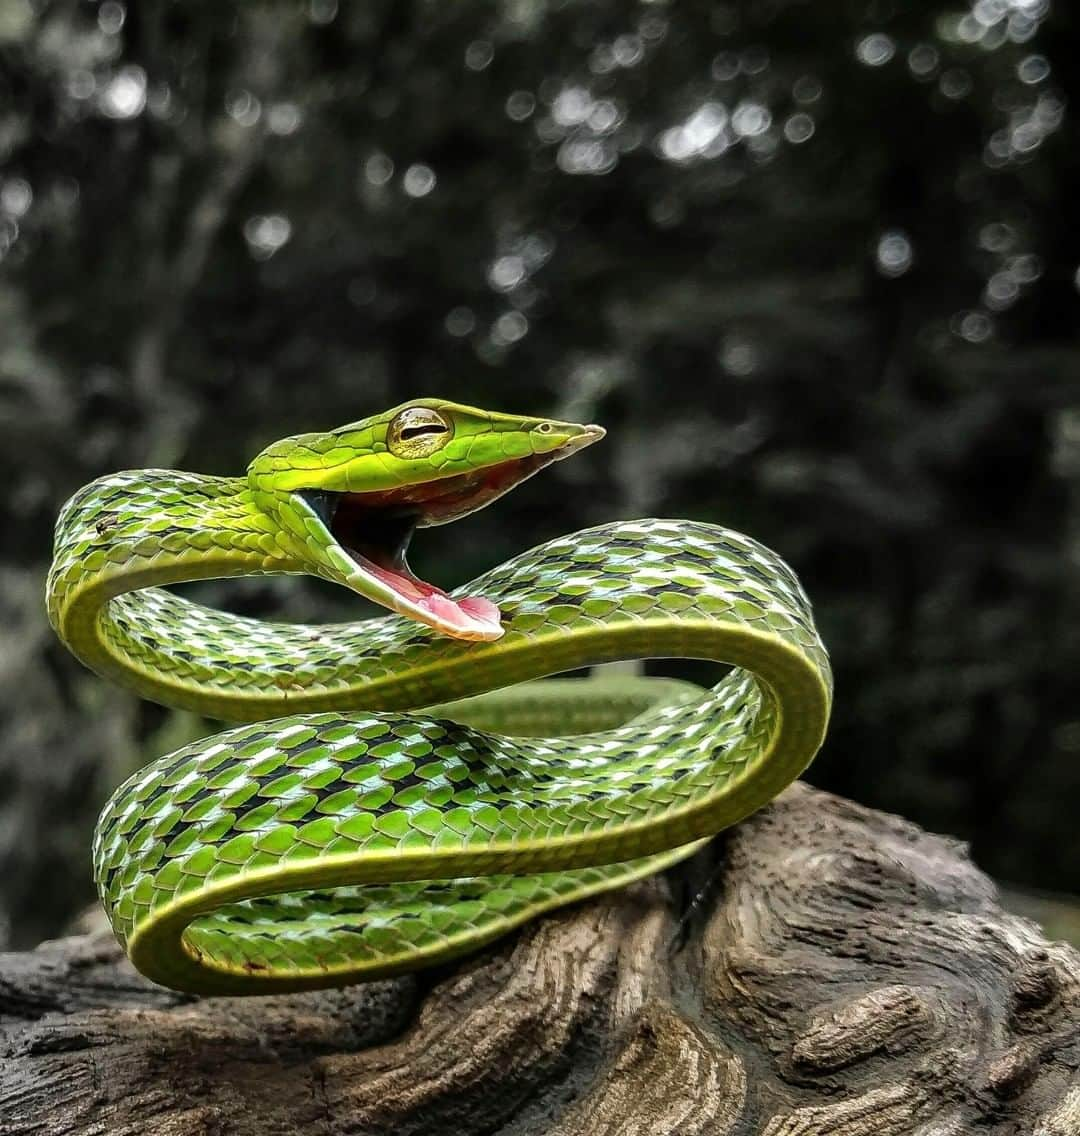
<point>815,266</point>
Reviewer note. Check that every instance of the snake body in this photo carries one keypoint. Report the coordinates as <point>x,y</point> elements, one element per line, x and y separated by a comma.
<point>400,793</point>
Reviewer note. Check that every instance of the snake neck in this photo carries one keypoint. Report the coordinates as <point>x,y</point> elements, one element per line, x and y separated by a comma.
<point>140,528</point>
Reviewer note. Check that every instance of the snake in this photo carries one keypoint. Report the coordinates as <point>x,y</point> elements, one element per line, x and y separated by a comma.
<point>396,791</point>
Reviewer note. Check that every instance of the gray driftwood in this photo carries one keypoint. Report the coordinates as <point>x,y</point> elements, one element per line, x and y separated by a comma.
<point>824,969</point>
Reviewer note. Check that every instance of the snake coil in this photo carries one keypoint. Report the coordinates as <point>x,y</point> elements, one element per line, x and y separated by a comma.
<point>400,794</point>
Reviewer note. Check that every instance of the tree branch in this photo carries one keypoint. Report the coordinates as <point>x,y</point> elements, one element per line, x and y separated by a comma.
<point>824,969</point>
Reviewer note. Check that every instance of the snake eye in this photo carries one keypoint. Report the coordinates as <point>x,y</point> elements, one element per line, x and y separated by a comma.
<point>417,432</point>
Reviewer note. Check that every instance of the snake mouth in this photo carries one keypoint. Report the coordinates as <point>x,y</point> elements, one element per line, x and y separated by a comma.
<point>375,529</point>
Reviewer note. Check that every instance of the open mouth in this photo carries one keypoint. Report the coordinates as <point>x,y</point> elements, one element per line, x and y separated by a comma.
<point>375,529</point>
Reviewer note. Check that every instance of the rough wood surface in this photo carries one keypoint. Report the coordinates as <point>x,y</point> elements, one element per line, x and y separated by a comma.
<point>823,969</point>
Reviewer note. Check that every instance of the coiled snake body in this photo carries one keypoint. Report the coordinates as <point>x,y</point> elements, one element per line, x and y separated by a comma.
<point>400,794</point>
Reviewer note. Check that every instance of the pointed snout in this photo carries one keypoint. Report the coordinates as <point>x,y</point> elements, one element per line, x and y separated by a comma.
<point>585,436</point>
<point>562,439</point>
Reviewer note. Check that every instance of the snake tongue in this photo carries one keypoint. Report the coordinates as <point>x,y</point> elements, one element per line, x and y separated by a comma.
<point>473,614</point>
<point>473,617</point>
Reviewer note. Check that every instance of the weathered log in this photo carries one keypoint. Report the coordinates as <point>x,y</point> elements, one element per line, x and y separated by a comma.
<point>821,969</point>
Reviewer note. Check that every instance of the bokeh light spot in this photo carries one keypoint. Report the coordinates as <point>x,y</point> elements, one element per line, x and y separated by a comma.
<point>1033,69</point>
<point>751,118</point>
<point>266,234</point>
<point>506,273</point>
<point>15,196</point>
<point>799,128</point>
<point>572,106</point>
<point>875,50</point>
<point>419,180</point>
<point>519,105</point>
<point>111,16</point>
<point>284,118</point>
<point>894,254</point>
<point>379,168</point>
<point>124,95</point>
<point>738,356</point>
<point>975,327</point>
<point>725,66</point>
<point>479,54</point>
<point>509,328</point>
<point>243,107</point>
<point>923,60</point>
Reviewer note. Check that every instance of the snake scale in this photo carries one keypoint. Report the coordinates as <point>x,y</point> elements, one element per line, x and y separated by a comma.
<point>399,791</point>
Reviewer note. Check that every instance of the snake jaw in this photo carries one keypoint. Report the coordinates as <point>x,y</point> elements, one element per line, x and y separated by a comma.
<point>368,548</point>
<point>369,534</point>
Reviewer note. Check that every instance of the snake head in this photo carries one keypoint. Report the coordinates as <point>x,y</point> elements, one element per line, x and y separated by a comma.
<point>351,499</point>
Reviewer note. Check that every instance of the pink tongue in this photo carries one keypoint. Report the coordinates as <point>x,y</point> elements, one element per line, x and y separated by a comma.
<point>480,608</point>
<point>472,614</point>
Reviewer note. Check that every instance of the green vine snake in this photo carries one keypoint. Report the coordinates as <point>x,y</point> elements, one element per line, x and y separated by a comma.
<point>400,791</point>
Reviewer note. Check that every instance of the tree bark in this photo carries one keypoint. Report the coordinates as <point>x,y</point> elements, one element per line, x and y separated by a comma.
<point>821,969</point>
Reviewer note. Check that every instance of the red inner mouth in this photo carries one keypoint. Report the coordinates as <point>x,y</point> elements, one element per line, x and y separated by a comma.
<point>448,498</point>
<point>375,529</point>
